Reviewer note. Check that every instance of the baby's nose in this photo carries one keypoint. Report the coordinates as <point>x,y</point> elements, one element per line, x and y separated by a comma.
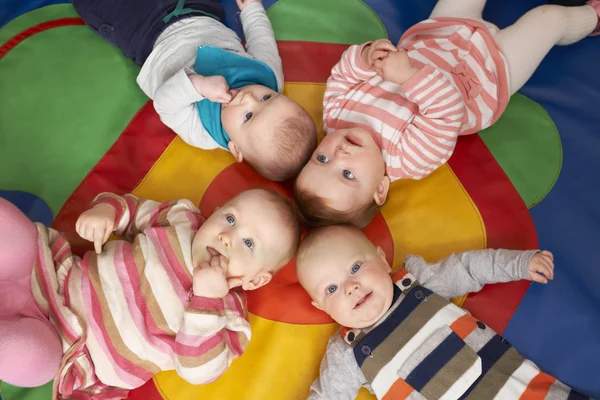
<point>224,238</point>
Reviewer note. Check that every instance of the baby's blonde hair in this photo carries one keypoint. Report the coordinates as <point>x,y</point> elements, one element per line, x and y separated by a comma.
<point>316,210</point>
<point>289,217</point>
<point>294,141</point>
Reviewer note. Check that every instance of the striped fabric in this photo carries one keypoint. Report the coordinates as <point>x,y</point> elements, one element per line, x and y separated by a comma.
<point>427,347</point>
<point>461,88</point>
<point>128,313</point>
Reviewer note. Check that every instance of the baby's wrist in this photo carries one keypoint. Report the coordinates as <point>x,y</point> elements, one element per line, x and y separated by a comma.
<point>410,72</point>
<point>197,82</point>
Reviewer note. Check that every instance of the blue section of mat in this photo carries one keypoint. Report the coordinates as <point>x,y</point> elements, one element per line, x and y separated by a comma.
<point>35,208</point>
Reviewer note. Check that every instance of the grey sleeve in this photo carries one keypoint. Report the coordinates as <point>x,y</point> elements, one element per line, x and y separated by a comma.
<point>340,377</point>
<point>175,103</point>
<point>467,272</point>
<point>260,39</point>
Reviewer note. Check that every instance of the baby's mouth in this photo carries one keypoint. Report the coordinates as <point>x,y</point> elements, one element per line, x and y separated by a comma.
<point>363,300</point>
<point>213,252</point>
<point>353,141</point>
<point>234,93</point>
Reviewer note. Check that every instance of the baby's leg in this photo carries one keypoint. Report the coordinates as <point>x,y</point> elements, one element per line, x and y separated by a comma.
<point>30,349</point>
<point>18,243</point>
<point>471,9</point>
<point>527,41</point>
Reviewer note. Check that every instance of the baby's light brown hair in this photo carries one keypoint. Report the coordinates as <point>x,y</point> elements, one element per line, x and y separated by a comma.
<point>290,217</point>
<point>294,141</point>
<point>317,212</point>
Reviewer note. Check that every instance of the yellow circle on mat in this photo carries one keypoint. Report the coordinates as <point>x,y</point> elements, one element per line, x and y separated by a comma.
<point>431,217</point>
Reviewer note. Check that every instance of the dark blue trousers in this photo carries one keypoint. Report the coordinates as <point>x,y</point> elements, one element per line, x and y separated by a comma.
<point>134,25</point>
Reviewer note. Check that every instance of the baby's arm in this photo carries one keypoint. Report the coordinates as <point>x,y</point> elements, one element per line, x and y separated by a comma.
<point>260,38</point>
<point>467,272</point>
<point>133,214</point>
<point>340,377</point>
<point>214,332</point>
<point>345,75</point>
<point>427,140</point>
<point>175,103</point>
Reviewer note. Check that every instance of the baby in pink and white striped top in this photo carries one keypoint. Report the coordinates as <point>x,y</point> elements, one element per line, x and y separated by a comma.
<point>395,112</point>
<point>169,297</point>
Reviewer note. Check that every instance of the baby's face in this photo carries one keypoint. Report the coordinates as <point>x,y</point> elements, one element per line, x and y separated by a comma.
<point>347,277</point>
<point>248,233</point>
<point>252,115</point>
<point>345,169</point>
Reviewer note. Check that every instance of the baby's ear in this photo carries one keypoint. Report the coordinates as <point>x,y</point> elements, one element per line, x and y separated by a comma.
<point>381,255</point>
<point>260,280</point>
<point>315,305</point>
<point>236,151</point>
<point>382,190</point>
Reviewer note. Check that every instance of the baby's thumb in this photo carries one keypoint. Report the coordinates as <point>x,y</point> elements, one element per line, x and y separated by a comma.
<point>234,282</point>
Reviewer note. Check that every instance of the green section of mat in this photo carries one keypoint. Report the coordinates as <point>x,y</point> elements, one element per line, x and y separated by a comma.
<point>14,393</point>
<point>527,146</point>
<point>323,21</point>
<point>66,97</point>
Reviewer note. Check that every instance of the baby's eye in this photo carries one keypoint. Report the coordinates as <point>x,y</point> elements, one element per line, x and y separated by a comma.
<point>348,174</point>
<point>266,97</point>
<point>322,158</point>
<point>248,116</point>
<point>331,288</point>
<point>230,219</point>
<point>249,243</point>
<point>355,268</point>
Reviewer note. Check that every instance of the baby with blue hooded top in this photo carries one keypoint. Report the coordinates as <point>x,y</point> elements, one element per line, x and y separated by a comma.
<point>206,86</point>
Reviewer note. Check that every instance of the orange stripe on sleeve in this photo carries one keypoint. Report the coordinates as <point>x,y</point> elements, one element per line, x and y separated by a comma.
<point>538,387</point>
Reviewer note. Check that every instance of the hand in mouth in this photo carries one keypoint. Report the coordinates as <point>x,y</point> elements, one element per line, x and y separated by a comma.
<point>233,93</point>
<point>212,252</point>
<point>362,300</point>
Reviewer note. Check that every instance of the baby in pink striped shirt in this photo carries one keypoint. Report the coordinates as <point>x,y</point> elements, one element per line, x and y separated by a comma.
<point>395,112</point>
<point>169,297</point>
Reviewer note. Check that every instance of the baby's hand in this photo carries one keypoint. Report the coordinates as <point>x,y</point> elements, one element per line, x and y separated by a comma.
<point>244,3</point>
<point>210,280</point>
<point>396,67</point>
<point>96,225</point>
<point>542,263</point>
<point>214,88</point>
<point>378,50</point>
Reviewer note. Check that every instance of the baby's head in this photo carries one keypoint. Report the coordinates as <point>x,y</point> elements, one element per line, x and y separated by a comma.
<point>257,231</point>
<point>273,133</point>
<point>344,181</point>
<point>345,275</point>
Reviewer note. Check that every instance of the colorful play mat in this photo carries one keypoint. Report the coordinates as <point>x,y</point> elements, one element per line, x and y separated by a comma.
<point>73,123</point>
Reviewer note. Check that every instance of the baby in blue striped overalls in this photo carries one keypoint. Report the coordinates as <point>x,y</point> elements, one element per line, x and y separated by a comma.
<point>401,337</point>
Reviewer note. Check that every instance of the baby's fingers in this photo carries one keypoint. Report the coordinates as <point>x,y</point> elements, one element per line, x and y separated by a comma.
<point>234,282</point>
<point>547,268</point>
<point>107,233</point>
<point>379,55</point>
<point>98,239</point>
<point>538,278</point>
<point>378,66</point>
<point>224,97</point>
<point>548,254</point>
<point>384,44</point>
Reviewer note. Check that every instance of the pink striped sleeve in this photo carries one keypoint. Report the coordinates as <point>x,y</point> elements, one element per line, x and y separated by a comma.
<point>214,333</point>
<point>133,214</point>
<point>429,139</point>
<point>345,75</point>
